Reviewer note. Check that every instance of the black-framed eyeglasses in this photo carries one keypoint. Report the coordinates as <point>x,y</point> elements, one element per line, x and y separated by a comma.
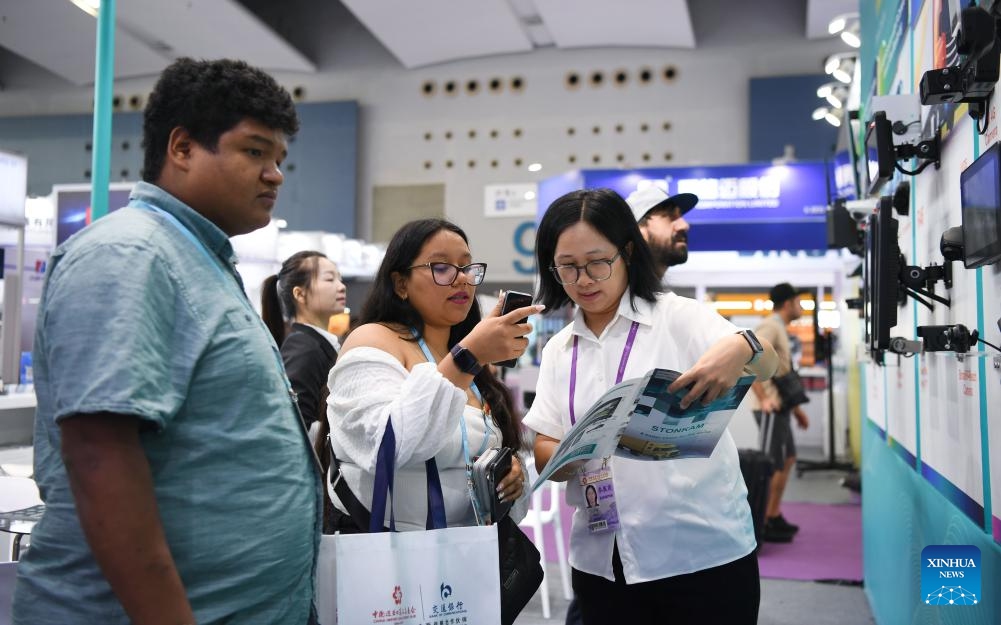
<point>597,270</point>
<point>444,274</point>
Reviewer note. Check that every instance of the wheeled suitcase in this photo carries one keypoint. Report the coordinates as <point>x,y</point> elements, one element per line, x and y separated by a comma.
<point>756,467</point>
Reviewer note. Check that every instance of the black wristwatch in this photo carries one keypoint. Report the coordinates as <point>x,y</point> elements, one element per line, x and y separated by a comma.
<point>754,343</point>
<point>465,360</point>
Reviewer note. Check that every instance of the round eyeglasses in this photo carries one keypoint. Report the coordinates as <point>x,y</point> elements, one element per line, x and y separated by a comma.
<point>444,274</point>
<point>597,270</point>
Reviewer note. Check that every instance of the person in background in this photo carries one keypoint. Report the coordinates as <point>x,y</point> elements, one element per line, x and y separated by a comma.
<point>773,418</point>
<point>307,291</point>
<point>179,483</point>
<point>417,361</point>
<point>662,223</point>
<point>296,305</point>
<point>683,528</point>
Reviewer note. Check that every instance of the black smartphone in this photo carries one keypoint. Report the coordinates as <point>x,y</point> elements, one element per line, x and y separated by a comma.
<point>512,301</point>
<point>497,470</point>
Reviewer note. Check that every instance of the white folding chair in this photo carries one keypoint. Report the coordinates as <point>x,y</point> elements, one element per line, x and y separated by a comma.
<point>540,515</point>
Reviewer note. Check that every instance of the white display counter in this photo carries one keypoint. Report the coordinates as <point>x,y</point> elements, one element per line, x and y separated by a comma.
<point>17,419</point>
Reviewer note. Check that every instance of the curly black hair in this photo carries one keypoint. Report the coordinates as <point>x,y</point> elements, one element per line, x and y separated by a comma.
<point>207,98</point>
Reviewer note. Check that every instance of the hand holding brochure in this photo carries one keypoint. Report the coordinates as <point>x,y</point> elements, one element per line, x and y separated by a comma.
<point>641,419</point>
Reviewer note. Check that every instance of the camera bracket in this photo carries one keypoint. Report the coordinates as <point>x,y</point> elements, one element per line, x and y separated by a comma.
<point>927,150</point>
<point>920,281</point>
<point>905,347</point>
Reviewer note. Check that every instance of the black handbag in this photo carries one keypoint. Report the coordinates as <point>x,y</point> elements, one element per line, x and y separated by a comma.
<point>790,388</point>
<point>520,569</point>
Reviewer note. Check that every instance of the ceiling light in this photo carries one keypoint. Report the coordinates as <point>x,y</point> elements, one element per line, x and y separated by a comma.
<point>833,100</point>
<point>535,167</point>
<point>89,7</point>
<point>529,195</point>
<point>851,39</point>
<point>819,113</point>
<point>837,60</point>
<point>840,22</point>
<point>842,76</point>
<point>833,119</point>
<point>827,88</point>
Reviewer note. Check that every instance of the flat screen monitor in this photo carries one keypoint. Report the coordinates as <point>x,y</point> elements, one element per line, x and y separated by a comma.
<point>885,289</point>
<point>879,157</point>
<point>980,193</point>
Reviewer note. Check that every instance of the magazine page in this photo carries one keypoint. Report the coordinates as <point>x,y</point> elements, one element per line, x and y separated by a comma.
<point>596,434</point>
<point>660,429</point>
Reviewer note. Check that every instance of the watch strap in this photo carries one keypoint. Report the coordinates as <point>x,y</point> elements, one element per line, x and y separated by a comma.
<point>465,360</point>
<point>755,344</point>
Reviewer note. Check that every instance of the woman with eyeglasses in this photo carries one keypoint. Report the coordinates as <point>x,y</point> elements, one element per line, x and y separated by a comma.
<point>418,360</point>
<point>681,549</point>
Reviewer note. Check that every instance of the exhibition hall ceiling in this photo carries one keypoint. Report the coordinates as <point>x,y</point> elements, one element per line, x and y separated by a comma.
<point>51,42</point>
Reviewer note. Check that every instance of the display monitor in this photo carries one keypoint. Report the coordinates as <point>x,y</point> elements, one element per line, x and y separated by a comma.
<point>980,196</point>
<point>879,156</point>
<point>884,287</point>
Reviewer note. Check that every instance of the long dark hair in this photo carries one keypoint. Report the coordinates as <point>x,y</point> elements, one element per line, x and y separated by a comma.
<point>278,306</point>
<point>385,307</point>
<point>605,211</point>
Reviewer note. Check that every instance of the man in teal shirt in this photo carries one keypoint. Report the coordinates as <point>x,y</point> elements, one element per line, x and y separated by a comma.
<point>178,481</point>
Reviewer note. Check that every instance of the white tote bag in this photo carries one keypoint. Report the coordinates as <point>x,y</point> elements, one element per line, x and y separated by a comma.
<point>440,575</point>
<point>326,580</point>
<point>418,577</point>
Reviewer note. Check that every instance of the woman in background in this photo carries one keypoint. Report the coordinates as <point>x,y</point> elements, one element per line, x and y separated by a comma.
<point>678,545</point>
<point>418,361</point>
<point>296,305</point>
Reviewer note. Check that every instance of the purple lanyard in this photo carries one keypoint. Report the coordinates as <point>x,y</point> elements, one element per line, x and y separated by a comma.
<point>618,377</point>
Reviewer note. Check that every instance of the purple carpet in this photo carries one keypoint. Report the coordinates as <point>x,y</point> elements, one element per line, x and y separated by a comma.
<point>827,547</point>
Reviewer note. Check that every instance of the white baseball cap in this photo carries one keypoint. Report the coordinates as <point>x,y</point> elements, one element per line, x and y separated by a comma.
<point>644,200</point>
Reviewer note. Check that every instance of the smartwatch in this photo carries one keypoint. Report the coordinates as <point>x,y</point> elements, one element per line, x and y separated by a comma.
<point>465,360</point>
<point>754,343</point>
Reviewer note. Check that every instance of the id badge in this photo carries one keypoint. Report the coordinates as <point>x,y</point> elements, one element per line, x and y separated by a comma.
<point>599,500</point>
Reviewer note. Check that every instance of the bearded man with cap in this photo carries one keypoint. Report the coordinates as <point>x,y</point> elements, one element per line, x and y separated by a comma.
<point>773,418</point>
<point>661,221</point>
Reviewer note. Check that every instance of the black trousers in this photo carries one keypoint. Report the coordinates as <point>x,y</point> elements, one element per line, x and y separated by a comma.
<point>724,595</point>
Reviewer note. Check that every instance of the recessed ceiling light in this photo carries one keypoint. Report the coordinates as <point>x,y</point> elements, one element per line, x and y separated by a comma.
<point>535,167</point>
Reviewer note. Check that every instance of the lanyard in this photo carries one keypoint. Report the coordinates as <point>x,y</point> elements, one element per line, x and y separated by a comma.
<point>618,377</point>
<point>477,511</point>
<point>230,279</point>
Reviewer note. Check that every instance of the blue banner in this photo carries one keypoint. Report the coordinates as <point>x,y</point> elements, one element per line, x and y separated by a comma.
<point>741,207</point>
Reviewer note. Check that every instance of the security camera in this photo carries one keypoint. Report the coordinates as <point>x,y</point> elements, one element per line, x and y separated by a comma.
<point>951,338</point>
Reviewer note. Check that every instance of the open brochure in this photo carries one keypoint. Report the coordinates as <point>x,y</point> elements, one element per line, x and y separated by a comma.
<point>640,419</point>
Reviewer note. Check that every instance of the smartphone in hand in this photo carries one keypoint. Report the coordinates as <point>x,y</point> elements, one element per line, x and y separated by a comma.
<point>512,301</point>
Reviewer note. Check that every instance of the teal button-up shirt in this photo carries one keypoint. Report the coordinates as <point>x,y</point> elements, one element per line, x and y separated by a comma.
<point>144,315</point>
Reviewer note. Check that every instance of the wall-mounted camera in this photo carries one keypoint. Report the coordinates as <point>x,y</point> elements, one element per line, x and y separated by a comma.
<point>955,338</point>
<point>972,80</point>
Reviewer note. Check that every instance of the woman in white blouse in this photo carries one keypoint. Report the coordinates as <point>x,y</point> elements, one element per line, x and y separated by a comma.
<point>680,546</point>
<point>443,403</point>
